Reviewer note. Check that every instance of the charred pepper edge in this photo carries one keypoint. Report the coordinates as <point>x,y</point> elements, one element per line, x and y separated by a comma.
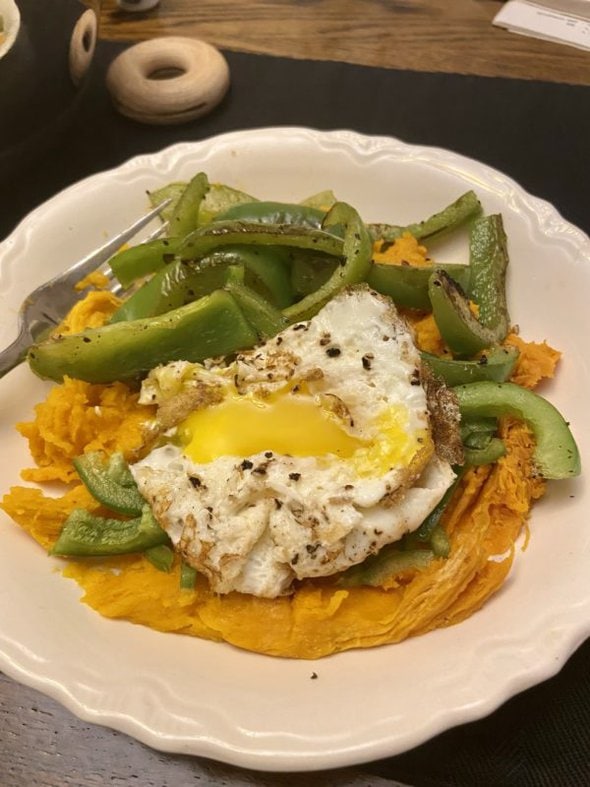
<point>466,207</point>
<point>459,328</point>
<point>230,233</point>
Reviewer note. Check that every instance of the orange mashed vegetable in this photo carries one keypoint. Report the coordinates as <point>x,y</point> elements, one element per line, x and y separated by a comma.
<point>488,512</point>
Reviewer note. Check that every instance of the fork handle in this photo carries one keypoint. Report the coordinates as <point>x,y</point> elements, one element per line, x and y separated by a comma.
<point>15,353</point>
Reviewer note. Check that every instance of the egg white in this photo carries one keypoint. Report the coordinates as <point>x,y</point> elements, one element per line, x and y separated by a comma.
<point>255,523</point>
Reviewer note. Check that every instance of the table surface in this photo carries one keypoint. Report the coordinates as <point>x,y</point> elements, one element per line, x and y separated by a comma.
<point>422,35</point>
<point>44,744</point>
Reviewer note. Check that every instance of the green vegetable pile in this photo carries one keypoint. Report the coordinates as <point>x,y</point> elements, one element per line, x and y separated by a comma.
<point>233,271</point>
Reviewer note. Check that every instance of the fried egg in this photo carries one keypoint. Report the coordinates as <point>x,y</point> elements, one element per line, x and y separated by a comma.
<point>299,458</point>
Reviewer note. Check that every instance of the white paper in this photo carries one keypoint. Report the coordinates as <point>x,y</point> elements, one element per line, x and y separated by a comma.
<point>544,20</point>
<point>575,7</point>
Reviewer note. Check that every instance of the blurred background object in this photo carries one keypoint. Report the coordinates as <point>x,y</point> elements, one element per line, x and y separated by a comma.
<point>168,80</point>
<point>137,5</point>
<point>46,67</point>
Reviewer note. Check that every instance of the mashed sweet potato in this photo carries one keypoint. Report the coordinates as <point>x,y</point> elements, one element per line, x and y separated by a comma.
<point>488,512</point>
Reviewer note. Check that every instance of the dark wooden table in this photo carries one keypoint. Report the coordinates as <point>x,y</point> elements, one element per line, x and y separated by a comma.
<point>423,35</point>
<point>41,742</point>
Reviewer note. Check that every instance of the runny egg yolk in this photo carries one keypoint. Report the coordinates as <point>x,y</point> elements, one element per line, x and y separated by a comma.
<point>245,425</point>
<point>295,425</point>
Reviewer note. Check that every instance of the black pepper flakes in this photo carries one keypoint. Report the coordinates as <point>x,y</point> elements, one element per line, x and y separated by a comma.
<point>294,476</point>
<point>268,454</point>
<point>195,481</point>
<point>313,676</point>
<point>367,361</point>
<point>333,352</point>
<point>247,464</point>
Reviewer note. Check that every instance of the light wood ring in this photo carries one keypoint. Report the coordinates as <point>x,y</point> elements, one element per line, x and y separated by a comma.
<point>82,45</point>
<point>199,79</point>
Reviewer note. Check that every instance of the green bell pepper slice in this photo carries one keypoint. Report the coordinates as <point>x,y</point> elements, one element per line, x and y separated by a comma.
<point>496,364</point>
<point>231,233</point>
<point>488,262</point>
<point>310,271</point>
<point>262,316</point>
<point>458,326</point>
<point>377,569</point>
<point>172,191</point>
<point>87,535</point>
<point>134,263</point>
<point>109,480</point>
<point>323,200</point>
<point>491,449</point>
<point>188,576</point>
<point>556,453</point>
<point>170,288</point>
<point>439,542</point>
<point>424,532</point>
<point>275,213</point>
<point>466,207</point>
<point>184,281</point>
<point>357,250</point>
<point>477,432</point>
<point>161,557</point>
<point>218,199</point>
<point>213,325</point>
<point>407,285</point>
<point>266,270</point>
<point>464,333</point>
<point>185,216</point>
<point>480,444</point>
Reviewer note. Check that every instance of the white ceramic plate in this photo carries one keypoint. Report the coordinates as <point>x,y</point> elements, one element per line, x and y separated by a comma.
<point>184,695</point>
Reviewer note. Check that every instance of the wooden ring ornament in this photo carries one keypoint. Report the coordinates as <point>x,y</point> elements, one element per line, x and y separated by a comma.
<point>82,45</point>
<point>168,80</point>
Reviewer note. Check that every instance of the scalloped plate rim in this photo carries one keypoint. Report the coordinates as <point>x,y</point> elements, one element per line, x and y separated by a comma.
<point>570,635</point>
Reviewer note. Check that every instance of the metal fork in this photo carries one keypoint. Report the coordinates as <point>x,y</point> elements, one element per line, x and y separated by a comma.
<point>46,306</point>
